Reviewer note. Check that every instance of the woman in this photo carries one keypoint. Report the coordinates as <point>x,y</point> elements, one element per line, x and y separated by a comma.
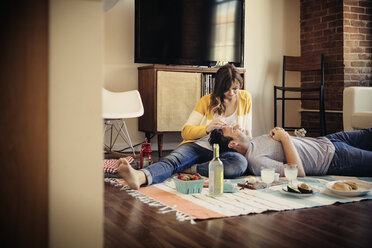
<point>226,106</point>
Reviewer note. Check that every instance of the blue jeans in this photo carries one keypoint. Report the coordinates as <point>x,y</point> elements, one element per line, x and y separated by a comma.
<point>353,153</point>
<point>188,154</point>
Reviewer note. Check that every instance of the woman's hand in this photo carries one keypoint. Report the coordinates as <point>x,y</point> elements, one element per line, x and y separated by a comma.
<point>215,124</point>
<point>278,133</point>
<point>244,131</point>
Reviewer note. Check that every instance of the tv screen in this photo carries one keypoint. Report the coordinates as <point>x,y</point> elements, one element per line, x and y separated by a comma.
<point>189,32</point>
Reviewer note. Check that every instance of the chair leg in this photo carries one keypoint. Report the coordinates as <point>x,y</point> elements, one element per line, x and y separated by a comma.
<point>126,135</point>
<point>104,130</point>
<point>121,130</point>
<point>320,114</point>
<point>108,126</point>
<point>324,117</point>
<point>322,120</point>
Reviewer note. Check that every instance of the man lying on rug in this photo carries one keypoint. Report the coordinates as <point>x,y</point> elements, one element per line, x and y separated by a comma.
<point>342,153</point>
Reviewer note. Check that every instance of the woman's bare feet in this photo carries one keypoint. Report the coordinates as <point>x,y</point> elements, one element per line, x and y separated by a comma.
<point>190,170</point>
<point>187,171</point>
<point>134,178</point>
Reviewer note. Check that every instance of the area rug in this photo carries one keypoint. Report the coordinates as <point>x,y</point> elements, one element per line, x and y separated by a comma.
<point>202,206</point>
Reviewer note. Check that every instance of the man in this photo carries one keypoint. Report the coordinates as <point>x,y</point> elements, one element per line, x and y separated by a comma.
<point>342,153</point>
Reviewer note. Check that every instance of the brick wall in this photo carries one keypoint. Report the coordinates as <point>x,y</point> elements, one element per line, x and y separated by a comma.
<point>341,30</point>
<point>357,42</point>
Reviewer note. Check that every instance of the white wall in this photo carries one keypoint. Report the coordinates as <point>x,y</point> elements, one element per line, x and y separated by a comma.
<point>75,124</point>
<point>272,29</point>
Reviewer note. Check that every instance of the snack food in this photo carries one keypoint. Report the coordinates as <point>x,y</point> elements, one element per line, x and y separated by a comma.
<point>304,188</point>
<point>254,183</point>
<point>188,177</point>
<point>251,179</point>
<point>293,189</point>
<point>247,185</point>
<point>342,186</point>
<point>353,185</point>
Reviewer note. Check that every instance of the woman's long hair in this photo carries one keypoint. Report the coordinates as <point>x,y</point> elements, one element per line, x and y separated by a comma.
<point>225,77</point>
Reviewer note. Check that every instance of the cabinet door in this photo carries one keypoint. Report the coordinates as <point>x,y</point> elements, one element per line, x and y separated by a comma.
<point>178,93</point>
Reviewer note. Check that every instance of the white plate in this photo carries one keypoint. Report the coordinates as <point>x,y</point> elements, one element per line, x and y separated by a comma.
<point>286,192</point>
<point>363,189</point>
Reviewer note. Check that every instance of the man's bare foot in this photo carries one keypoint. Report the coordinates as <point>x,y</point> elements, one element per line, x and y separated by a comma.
<point>134,178</point>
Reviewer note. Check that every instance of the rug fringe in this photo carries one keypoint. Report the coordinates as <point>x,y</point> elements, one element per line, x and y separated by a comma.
<point>164,208</point>
<point>116,183</point>
<point>151,202</point>
<point>183,217</point>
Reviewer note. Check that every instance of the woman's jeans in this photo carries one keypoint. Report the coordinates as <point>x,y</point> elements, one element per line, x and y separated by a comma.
<point>188,154</point>
<point>353,153</point>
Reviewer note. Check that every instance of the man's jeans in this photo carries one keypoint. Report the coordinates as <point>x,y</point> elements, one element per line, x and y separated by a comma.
<point>353,153</point>
<point>188,154</point>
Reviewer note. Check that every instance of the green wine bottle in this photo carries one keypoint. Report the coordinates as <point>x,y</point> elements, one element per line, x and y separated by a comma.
<point>216,173</point>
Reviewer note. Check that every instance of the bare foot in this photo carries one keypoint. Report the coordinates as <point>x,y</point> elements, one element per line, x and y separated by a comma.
<point>187,171</point>
<point>134,178</point>
<point>190,170</point>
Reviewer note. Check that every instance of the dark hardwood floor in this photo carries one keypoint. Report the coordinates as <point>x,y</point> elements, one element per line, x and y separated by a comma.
<point>131,223</point>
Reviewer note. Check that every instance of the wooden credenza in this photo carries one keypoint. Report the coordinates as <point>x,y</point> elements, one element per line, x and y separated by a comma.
<point>169,94</point>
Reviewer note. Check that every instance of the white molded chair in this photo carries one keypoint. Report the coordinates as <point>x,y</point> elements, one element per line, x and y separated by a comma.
<point>357,108</point>
<point>116,107</point>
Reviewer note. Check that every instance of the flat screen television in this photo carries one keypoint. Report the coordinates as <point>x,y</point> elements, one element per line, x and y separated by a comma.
<point>189,32</point>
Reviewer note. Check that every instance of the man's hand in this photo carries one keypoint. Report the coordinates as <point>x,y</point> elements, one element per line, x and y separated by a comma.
<point>279,134</point>
<point>290,151</point>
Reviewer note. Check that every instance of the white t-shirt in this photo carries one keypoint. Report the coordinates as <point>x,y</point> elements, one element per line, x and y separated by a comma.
<point>230,120</point>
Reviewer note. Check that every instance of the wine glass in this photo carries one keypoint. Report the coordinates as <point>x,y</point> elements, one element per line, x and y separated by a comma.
<point>267,175</point>
<point>290,171</point>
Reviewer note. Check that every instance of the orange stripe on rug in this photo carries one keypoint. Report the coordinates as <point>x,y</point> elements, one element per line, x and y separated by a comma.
<point>182,205</point>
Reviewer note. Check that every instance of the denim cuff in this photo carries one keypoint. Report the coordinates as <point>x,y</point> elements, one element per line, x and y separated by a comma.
<point>148,176</point>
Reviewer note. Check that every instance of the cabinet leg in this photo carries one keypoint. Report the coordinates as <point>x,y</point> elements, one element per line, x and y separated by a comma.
<point>148,136</point>
<point>160,144</point>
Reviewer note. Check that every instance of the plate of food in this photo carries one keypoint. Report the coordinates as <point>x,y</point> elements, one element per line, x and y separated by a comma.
<point>300,190</point>
<point>349,187</point>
